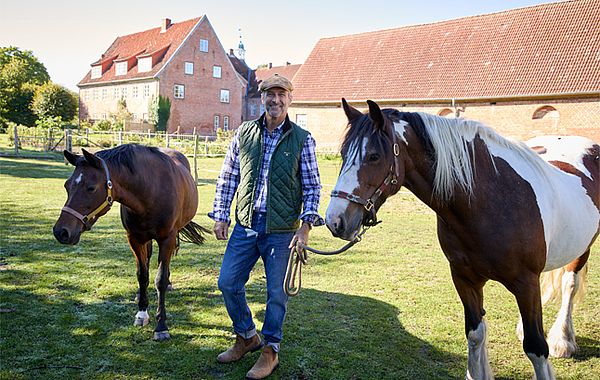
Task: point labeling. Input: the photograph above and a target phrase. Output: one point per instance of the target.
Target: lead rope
(297, 259)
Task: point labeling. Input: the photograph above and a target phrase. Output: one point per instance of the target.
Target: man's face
(276, 101)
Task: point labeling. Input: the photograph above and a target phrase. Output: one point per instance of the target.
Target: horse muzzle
(66, 234)
(344, 225)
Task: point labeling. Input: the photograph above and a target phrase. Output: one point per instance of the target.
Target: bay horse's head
(372, 170)
(89, 196)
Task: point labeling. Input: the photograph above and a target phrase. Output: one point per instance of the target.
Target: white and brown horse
(503, 212)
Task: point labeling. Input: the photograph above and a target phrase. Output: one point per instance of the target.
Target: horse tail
(551, 284)
(193, 233)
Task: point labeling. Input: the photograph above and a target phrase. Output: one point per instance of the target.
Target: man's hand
(221, 230)
(300, 237)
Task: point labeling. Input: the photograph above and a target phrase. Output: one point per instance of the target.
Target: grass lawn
(386, 309)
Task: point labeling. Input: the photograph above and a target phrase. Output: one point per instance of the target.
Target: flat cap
(276, 81)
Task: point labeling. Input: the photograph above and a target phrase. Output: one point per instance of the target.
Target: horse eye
(91, 189)
(374, 157)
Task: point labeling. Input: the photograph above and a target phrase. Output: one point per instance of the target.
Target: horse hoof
(141, 322)
(161, 336)
(169, 287)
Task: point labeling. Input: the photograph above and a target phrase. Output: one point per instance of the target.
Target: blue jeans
(244, 248)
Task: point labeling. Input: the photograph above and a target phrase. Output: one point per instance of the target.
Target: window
(95, 93)
(116, 93)
(123, 92)
(104, 94)
(216, 71)
(134, 92)
(146, 90)
(189, 68)
(145, 117)
(96, 72)
(204, 45)
(225, 123)
(224, 96)
(179, 91)
(301, 120)
(144, 65)
(253, 110)
(216, 122)
(121, 68)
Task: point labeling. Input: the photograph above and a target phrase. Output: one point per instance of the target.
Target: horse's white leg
(478, 363)
(561, 338)
(542, 367)
(520, 328)
(141, 318)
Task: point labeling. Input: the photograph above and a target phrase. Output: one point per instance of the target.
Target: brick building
(524, 72)
(183, 61)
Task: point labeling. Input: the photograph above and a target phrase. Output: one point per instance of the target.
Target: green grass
(386, 309)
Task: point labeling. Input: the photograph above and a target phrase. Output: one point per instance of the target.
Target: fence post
(120, 138)
(16, 140)
(206, 145)
(195, 157)
(167, 139)
(49, 140)
(68, 140)
(87, 137)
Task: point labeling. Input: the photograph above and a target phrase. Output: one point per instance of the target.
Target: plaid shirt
(229, 179)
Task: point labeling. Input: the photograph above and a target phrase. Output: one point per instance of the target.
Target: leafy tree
(160, 111)
(52, 100)
(20, 74)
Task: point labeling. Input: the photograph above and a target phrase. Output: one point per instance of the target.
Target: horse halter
(89, 219)
(369, 203)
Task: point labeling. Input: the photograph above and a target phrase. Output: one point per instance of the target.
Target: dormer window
(121, 68)
(144, 64)
(96, 72)
(204, 45)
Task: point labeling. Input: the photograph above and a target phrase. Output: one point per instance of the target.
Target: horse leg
(142, 252)
(527, 293)
(561, 338)
(165, 250)
(471, 295)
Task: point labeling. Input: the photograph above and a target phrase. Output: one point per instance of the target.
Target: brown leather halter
(369, 203)
(89, 219)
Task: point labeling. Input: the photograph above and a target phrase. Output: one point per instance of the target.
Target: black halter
(369, 203)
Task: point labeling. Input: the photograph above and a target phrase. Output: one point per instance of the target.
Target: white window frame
(144, 64)
(146, 90)
(216, 121)
(104, 94)
(96, 72)
(124, 92)
(302, 120)
(121, 68)
(179, 91)
(134, 91)
(203, 45)
(225, 123)
(217, 71)
(224, 96)
(188, 68)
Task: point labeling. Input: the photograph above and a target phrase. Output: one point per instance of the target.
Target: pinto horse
(503, 213)
(158, 198)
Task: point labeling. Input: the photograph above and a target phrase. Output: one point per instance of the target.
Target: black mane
(125, 155)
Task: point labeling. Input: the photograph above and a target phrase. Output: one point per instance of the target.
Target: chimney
(287, 63)
(231, 52)
(270, 65)
(165, 24)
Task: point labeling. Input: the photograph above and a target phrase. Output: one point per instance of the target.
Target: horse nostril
(61, 234)
(338, 225)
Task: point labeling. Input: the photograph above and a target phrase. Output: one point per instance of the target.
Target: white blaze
(79, 178)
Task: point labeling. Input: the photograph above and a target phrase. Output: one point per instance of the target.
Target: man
(271, 165)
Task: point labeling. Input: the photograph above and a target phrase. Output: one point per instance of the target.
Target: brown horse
(158, 198)
(503, 213)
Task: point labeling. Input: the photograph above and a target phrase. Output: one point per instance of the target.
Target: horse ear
(92, 159)
(351, 112)
(71, 158)
(375, 114)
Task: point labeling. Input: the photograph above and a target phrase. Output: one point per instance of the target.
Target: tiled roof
(245, 72)
(287, 71)
(546, 49)
(142, 44)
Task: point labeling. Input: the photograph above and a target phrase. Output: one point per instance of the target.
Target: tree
(20, 74)
(160, 111)
(52, 100)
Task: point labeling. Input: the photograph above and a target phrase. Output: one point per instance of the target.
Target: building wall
(202, 92)
(100, 101)
(511, 119)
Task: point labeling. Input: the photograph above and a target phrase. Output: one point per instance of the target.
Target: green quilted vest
(284, 189)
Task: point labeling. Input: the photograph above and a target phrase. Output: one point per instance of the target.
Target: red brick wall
(511, 119)
(202, 91)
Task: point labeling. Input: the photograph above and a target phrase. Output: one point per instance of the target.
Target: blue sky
(68, 35)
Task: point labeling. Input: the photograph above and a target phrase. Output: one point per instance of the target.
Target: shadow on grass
(22, 168)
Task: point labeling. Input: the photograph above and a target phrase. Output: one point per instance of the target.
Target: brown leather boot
(265, 365)
(240, 348)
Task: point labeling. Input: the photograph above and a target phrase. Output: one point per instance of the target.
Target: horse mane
(454, 152)
(363, 127)
(125, 155)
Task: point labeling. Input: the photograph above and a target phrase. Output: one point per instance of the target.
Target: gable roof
(246, 73)
(149, 43)
(288, 71)
(540, 50)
